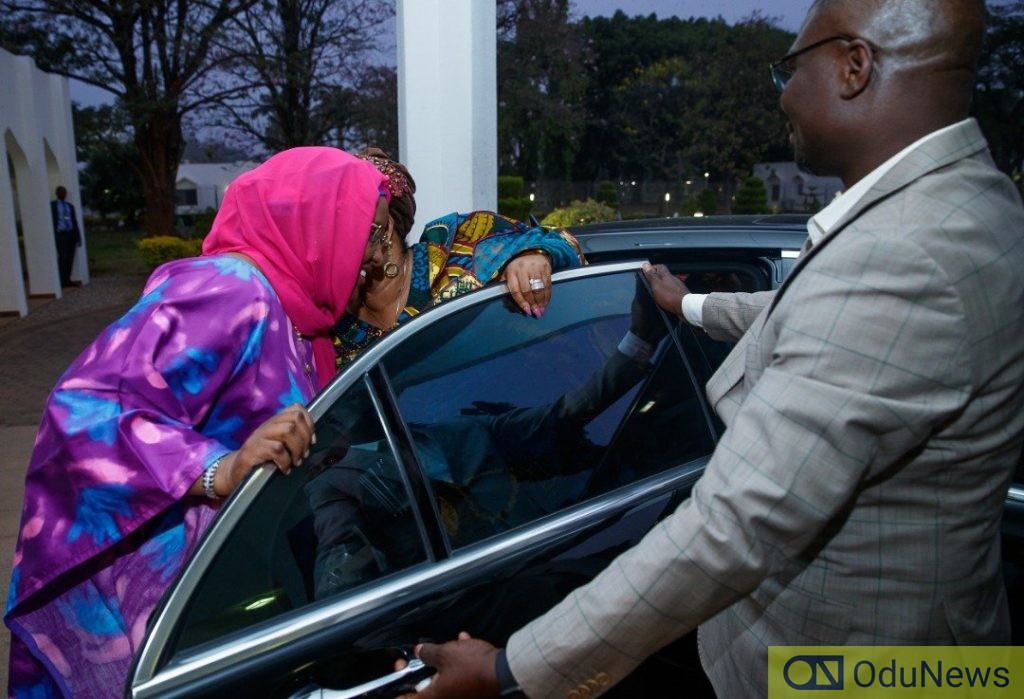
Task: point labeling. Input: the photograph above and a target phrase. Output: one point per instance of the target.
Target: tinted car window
(513, 417)
(341, 520)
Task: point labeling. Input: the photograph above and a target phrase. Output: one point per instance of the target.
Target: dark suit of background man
(65, 230)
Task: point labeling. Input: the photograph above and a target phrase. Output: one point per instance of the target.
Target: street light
(706, 176)
(668, 197)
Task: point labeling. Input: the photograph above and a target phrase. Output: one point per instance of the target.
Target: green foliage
(752, 197)
(115, 252)
(999, 94)
(707, 202)
(541, 89)
(164, 248)
(579, 212)
(510, 186)
(517, 208)
(202, 222)
(511, 201)
(676, 97)
(110, 181)
(607, 193)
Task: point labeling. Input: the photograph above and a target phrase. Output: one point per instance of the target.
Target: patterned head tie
(398, 183)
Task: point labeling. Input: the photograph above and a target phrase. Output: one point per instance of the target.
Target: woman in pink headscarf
(172, 406)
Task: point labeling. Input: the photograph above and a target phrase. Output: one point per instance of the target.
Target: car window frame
(153, 674)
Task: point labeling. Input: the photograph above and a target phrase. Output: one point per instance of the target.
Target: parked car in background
(470, 470)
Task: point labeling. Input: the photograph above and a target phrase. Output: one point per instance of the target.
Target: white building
(201, 186)
(790, 189)
(37, 153)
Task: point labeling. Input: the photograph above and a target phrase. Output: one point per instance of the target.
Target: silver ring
(537, 284)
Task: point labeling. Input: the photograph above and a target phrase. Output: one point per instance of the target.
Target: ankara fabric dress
(456, 254)
(128, 429)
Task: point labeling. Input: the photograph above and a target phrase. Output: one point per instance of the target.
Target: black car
(470, 469)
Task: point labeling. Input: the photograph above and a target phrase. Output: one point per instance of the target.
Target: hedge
(164, 248)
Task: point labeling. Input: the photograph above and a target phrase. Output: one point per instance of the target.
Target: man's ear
(858, 65)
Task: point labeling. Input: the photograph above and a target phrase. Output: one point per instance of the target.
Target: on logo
(814, 672)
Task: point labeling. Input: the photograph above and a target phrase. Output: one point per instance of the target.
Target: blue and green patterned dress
(456, 254)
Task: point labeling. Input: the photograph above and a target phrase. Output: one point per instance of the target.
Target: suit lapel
(937, 153)
(940, 152)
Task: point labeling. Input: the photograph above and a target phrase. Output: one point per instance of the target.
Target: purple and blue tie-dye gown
(205, 356)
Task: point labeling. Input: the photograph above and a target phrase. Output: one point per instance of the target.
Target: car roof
(776, 232)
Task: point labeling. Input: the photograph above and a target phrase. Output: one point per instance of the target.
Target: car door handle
(407, 677)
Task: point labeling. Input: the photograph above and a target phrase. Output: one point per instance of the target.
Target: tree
(707, 202)
(620, 49)
(372, 111)
(752, 198)
(540, 89)
(652, 128)
(734, 120)
(110, 181)
(153, 55)
(673, 97)
(999, 94)
(293, 69)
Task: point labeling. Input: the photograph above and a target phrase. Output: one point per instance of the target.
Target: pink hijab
(304, 217)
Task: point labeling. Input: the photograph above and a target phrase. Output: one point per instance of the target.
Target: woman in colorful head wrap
(174, 404)
(456, 254)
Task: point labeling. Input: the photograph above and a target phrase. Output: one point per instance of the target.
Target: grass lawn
(114, 252)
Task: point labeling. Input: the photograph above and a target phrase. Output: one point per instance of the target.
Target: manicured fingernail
(299, 462)
(314, 438)
(541, 311)
(306, 455)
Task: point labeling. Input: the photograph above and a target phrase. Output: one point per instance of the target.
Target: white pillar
(448, 104)
(62, 135)
(37, 225)
(35, 115)
(12, 286)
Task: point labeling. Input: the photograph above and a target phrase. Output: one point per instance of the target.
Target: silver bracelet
(209, 475)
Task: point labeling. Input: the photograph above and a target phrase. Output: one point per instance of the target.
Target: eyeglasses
(782, 70)
(379, 233)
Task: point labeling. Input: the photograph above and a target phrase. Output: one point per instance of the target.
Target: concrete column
(448, 104)
(37, 225)
(12, 286)
(62, 129)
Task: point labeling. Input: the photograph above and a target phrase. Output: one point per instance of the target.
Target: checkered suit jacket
(874, 418)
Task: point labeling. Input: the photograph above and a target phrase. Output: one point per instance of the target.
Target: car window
(339, 521)
(513, 417)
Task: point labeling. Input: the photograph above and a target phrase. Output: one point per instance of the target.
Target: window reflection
(530, 416)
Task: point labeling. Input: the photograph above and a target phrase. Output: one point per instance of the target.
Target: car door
(469, 471)
(1013, 553)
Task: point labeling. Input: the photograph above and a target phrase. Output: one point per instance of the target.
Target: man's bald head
(940, 38)
(905, 68)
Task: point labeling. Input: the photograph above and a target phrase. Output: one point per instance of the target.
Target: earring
(390, 267)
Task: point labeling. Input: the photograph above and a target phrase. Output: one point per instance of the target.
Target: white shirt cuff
(636, 349)
(693, 309)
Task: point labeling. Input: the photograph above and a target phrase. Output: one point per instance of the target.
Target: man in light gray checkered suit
(874, 404)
